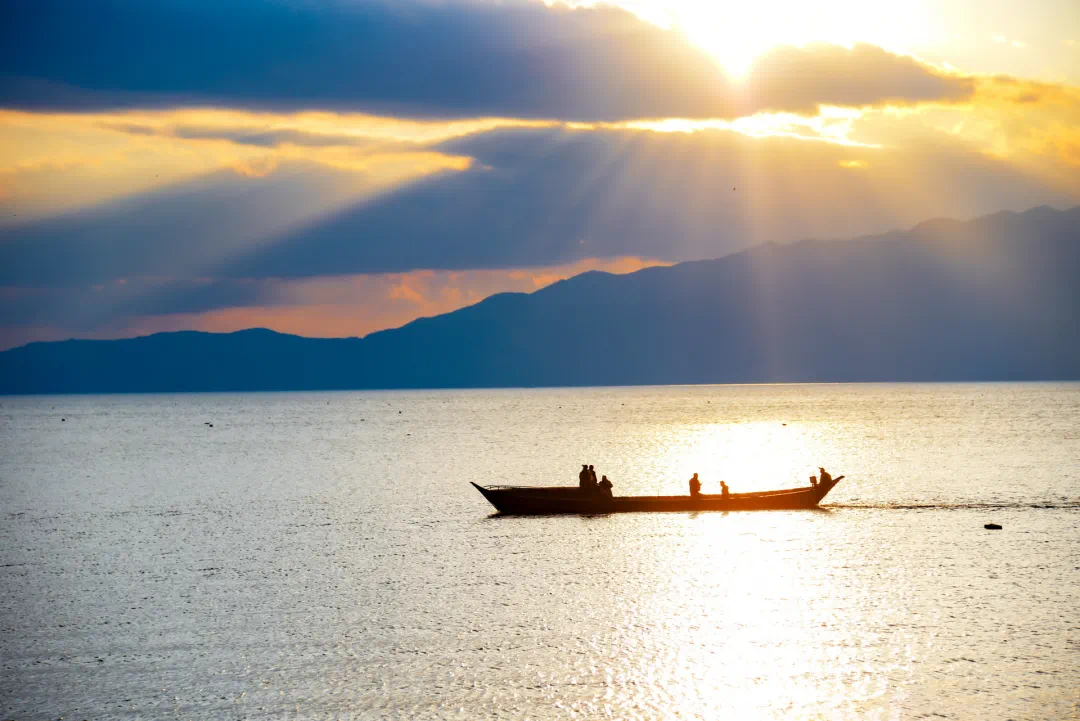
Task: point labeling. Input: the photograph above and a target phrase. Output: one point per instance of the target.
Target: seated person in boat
(695, 487)
(583, 477)
(813, 481)
(604, 488)
(825, 476)
(723, 490)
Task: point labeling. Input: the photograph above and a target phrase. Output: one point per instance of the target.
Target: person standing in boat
(824, 476)
(592, 478)
(723, 490)
(583, 477)
(695, 487)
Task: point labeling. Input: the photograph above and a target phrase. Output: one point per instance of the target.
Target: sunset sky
(334, 167)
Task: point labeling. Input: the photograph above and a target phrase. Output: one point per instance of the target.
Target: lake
(323, 555)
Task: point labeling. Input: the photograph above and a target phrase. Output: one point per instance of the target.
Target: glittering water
(323, 556)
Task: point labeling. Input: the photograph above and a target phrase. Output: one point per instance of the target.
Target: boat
(543, 500)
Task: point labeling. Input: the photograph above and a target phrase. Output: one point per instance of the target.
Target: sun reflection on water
(740, 620)
(751, 456)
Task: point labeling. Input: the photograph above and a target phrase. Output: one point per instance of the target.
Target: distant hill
(997, 298)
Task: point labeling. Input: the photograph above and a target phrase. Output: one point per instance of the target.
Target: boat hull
(521, 500)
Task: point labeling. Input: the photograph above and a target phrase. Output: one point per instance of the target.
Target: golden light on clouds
(55, 162)
(1003, 38)
(256, 167)
(332, 128)
(735, 34)
(1030, 125)
(830, 125)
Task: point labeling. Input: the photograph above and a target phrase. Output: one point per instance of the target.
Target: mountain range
(995, 298)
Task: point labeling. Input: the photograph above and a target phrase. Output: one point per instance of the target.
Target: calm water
(323, 556)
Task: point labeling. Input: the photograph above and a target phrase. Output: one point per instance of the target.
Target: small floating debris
(992, 527)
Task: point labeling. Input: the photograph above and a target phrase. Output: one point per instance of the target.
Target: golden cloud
(52, 163)
(256, 167)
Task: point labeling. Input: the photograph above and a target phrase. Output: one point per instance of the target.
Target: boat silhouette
(540, 500)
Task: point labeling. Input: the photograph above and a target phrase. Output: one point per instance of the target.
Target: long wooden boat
(538, 500)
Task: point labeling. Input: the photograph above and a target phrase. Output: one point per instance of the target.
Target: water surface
(323, 556)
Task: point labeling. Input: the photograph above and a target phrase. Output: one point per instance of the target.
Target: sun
(736, 33)
(729, 33)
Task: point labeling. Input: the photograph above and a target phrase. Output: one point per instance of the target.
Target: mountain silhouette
(995, 298)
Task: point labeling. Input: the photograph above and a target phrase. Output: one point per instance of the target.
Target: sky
(336, 167)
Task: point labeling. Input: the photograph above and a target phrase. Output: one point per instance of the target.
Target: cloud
(1018, 44)
(421, 59)
(1032, 125)
(175, 230)
(803, 79)
(264, 137)
(88, 308)
(56, 163)
(330, 307)
(532, 197)
(256, 167)
(547, 196)
(408, 57)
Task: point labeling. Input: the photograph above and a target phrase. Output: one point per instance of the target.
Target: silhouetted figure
(695, 487)
(824, 475)
(723, 490)
(813, 481)
(604, 488)
(583, 477)
(592, 478)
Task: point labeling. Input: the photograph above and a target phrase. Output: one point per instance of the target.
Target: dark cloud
(261, 138)
(180, 231)
(544, 196)
(406, 57)
(277, 138)
(802, 79)
(534, 197)
(416, 58)
(90, 308)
